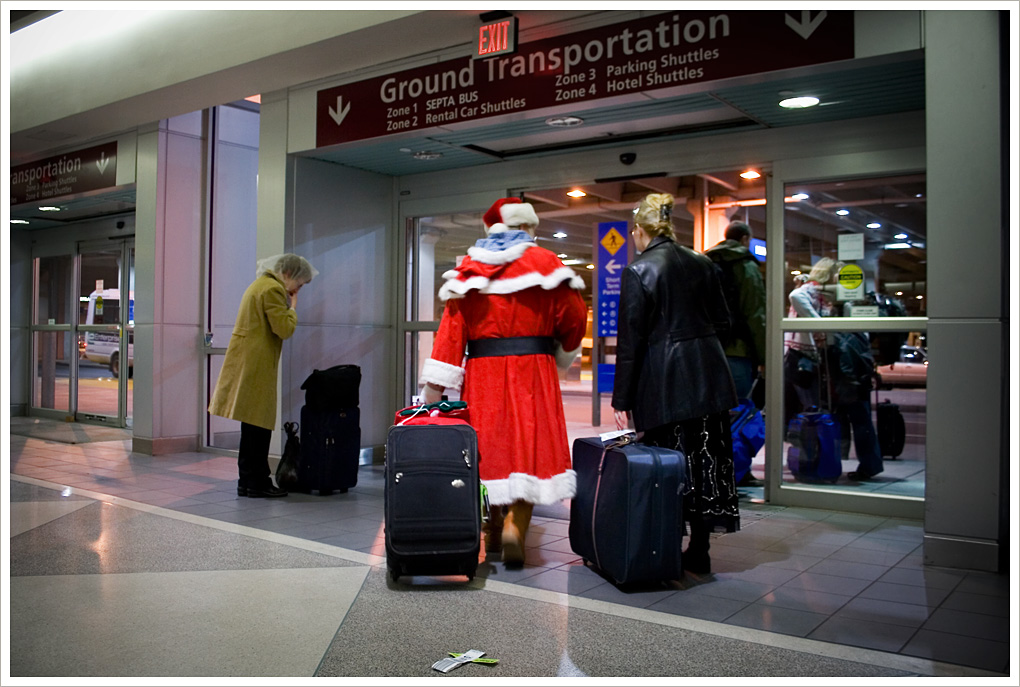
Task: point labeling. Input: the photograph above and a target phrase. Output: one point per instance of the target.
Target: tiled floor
(847, 580)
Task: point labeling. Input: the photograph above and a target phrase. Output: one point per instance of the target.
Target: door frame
(891, 162)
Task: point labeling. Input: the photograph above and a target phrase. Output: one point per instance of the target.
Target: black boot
(695, 559)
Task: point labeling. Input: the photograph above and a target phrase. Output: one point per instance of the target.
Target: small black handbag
(287, 469)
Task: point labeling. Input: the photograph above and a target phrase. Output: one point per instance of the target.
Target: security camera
(628, 158)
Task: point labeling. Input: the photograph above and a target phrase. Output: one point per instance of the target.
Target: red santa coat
(514, 401)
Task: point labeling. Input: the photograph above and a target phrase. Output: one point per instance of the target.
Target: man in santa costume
(518, 313)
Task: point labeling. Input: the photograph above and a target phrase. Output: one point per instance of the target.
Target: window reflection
(875, 230)
(852, 422)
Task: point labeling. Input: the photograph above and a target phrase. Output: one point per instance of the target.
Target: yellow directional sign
(612, 241)
(851, 276)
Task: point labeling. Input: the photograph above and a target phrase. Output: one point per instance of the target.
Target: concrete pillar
(967, 397)
(169, 216)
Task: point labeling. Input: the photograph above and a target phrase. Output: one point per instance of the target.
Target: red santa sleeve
(571, 323)
(445, 367)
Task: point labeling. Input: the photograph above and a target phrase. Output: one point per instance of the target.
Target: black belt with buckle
(513, 345)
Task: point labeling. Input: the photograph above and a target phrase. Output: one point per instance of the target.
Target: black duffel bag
(333, 388)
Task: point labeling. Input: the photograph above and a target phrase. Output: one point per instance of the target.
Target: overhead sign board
(658, 52)
(90, 169)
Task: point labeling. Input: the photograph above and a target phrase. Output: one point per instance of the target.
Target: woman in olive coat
(672, 378)
(246, 389)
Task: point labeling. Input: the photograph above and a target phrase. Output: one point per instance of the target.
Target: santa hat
(509, 213)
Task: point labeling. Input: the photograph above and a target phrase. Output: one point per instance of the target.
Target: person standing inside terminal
(672, 379)
(246, 389)
(519, 313)
(744, 290)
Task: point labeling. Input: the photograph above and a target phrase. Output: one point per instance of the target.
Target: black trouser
(253, 457)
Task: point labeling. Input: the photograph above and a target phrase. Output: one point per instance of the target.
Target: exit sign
(497, 38)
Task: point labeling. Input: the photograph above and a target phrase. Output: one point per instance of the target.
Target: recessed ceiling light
(749, 174)
(49, 208)
(561, 255)
(800, 196)
(919, 297)
(799, 102)
(899, 293)
(590, 266)
(576, 193)
(559, 235)
(795, 272)
(842, 213)
(564, 121)
(900, 236)
(19, 221)
(427, 155)
(894, 246)
(874, 225)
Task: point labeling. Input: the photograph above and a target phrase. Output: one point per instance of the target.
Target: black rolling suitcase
(891, 429)
(433, 506)
(330, 449)
(627, 516)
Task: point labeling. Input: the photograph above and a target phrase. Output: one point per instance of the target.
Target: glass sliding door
(55, 347)
(854, 347)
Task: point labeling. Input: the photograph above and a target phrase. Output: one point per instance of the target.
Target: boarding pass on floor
(445, 665)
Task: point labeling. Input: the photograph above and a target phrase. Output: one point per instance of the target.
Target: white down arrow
(340, 112)
(806, 26)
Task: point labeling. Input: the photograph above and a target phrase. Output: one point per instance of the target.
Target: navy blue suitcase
(627, 516)
(330, 449)
(432, 500)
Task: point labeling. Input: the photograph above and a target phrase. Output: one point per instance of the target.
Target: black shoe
(858, 476)
(750, 480)
(269, 492)
(696, 562)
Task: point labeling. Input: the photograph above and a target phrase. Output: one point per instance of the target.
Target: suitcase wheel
(325, 492)
(394, 574)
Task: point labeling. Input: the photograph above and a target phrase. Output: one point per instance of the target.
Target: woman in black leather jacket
(672, 379)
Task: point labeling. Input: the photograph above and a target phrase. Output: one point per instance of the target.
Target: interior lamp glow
(799, 102)
(576, 193)
(900, 236)
(842, 213)
(749, 174)
(800, 196)
(560, 235)
(874, 225)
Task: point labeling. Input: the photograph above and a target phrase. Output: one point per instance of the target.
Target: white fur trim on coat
(532, 489)
(564, 359)
(499, 257)
(441, 374)
(456, 288)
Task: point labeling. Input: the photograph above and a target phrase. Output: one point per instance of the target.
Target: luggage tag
(445, 665)
(485, 502)
(618, 437)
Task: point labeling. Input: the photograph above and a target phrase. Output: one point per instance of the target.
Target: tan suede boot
(492, 530)
(515, 530)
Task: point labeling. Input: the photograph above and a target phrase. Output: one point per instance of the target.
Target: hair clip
(664, 212)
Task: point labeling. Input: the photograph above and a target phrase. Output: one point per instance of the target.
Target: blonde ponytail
(654, 214)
